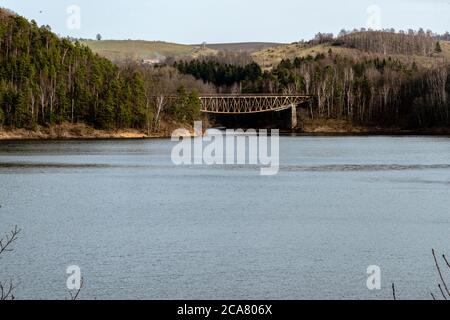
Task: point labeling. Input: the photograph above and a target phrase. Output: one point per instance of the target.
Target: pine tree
(2, 118)
(47, 80)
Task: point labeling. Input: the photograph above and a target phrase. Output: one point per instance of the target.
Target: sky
(218, 21)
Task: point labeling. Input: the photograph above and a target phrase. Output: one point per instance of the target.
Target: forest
(46, 80)
(377, 89)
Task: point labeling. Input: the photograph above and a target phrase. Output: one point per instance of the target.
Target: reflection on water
(140, 227)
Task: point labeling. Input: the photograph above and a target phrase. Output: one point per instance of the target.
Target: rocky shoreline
(311, 128)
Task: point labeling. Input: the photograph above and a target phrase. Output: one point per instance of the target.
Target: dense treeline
(379, 91)
(370, 91)
(386, 41)
(161, 84)
(46, 80)
(445, 36)
(390, 43)
(225, 76)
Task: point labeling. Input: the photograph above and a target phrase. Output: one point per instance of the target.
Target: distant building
(152, 61)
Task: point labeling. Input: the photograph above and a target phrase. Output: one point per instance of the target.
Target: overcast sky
(196, 21)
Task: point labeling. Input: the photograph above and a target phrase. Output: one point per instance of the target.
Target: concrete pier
(294, 120)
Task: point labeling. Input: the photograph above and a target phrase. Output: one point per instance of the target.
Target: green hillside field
(120, 50)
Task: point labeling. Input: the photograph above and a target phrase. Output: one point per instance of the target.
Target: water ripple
(363, 167)
(30, 165)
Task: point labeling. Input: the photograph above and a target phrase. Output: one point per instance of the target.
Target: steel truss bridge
(252, 103)
(236, 104)
(246, 104)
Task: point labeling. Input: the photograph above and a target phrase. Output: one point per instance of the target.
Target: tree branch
(77, 293)
(446, 261)
(442, 291)
(6, 242)
(393, 291)
(6, 293)
(440, 275)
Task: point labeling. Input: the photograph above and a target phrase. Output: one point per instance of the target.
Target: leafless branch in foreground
(74, 297)
(446, 261)
(442, 291)
(393, 291)
(6, 242)
(6, 292)
(438, 268)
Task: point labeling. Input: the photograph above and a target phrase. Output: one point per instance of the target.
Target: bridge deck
(249, 103)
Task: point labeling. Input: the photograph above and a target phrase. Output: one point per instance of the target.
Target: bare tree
(160, 83)
(442, 285)
(7, 290)
(393, 291)
(443, 288)
(7, 241)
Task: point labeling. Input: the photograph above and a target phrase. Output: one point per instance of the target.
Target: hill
(369, 45)
(446, 49)
(247, 47)
(120, 50)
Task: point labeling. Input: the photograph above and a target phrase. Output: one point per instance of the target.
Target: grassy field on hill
(119, 50)
(266, 54)
(248, 47)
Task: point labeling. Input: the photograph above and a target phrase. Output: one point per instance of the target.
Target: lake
(140, 227)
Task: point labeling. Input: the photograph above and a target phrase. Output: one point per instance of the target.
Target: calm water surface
(140, 227)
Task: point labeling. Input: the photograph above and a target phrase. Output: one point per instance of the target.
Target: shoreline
(83, 132)
(111, 137)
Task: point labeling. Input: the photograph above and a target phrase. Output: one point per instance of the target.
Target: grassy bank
(83, 131)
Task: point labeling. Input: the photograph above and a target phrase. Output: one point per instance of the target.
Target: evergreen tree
(2, 117)
(187, 107)
(46, 80)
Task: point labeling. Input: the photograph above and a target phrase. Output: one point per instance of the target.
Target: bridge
(241, 104)
(235, 104)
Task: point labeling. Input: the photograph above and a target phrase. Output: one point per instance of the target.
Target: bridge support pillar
(294, 120)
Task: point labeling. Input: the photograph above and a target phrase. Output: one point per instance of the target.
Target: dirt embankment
(316, 126)
(342, 127)
(83, 131)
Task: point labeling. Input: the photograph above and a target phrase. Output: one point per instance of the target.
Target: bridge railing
(246, 103)
(249, 103)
